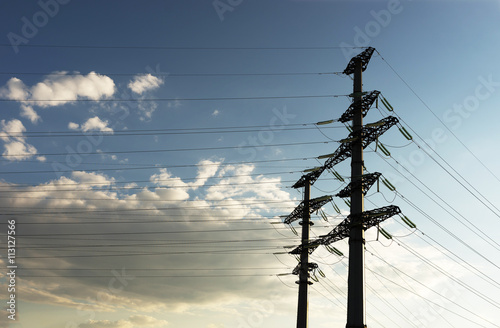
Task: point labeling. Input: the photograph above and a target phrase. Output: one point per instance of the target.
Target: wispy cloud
(144, 82)
(92, 124)
(131, 322)
(16, 147)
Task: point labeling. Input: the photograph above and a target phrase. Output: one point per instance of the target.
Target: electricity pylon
(359, 220)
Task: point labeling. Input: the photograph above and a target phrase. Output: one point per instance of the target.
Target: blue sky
(114, 150)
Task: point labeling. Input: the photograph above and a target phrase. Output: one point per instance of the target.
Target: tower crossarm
(364, 57)
(342, 153)
(376, 216)
(365, 103)
(314, 205)
(369, 133)
(311, 247)
(310, 267)
(369, 219)
(340, 232)
(365, 183)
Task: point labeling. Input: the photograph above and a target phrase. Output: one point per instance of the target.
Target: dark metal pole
(302, 320)
(356, 280)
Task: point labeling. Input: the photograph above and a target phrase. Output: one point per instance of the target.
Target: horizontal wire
(180, 200)
(157, 47)
(150, 232)
(153, 269)
(193, 207)
(161, 242)
(203, 128)
(128, 254)
(173, 74)
(28, 101)
(159, 276)
(125, 133)
(173, 150)
(183, 165)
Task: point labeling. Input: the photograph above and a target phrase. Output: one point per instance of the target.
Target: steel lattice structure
(366, 182)
(314, 205)
(368, 133)
(366, 103)
(368, 219)
(310, 267)
(364, 57)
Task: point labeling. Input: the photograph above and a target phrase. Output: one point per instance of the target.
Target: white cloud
(16, 147)
(144, 82)
(73, 126)
(146, 321)
(206, 170)
(174, 104)
(140, 85)
(56, 90)
(132, 321)
(106, 324)
(62, 89)
(215, 112)
(146, 110)
(96, 124)
(15, 89)
(99, 197)
(91, 178)
(92, 124)
(223, 193)
(29, 113)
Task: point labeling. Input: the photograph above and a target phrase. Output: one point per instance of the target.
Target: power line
(451, 175)
(129, 254)
(162, 243)
(159, 47)
(175, 149)
(174, 74)
(220, 163)
(154, 269)
(461, 261)
(490, 241)
(146, 232)
(168, 99)
(193, 207)
(434, 303)
(108, 186)
(126, 133)
(437, 117)
(158, 276)
(157, 166)
(445, 273)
